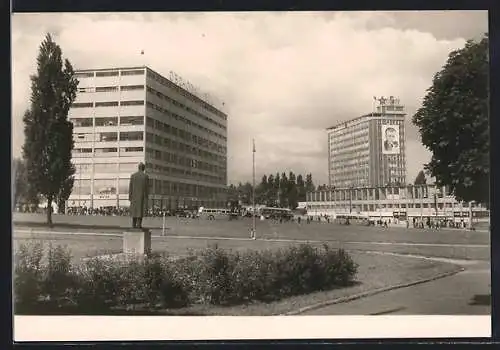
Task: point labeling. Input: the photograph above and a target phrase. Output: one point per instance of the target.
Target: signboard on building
(401, 215)
(390, 139)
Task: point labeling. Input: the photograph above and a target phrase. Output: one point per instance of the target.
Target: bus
(353, 219)
(213, 214)
(276, 213)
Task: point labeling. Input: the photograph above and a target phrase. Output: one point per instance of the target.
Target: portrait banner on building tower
(390, 139)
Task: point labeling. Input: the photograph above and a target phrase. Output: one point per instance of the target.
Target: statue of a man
(138, 195)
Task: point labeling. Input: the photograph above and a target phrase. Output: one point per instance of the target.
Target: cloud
(284, 77)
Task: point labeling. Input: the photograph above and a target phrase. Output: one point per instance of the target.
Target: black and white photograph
(192, 165)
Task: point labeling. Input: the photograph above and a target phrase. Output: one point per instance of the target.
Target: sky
(284, 77)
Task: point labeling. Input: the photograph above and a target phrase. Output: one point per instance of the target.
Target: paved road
(451, 295)
(265, 229)
(466, 293)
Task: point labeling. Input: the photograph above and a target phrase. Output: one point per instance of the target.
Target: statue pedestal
(137, 241)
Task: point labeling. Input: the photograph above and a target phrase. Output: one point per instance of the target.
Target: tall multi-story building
(124, 116)
(369, 150)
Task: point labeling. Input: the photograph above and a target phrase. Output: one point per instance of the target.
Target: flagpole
(253, 190)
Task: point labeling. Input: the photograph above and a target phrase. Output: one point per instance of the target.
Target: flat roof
(152, 70)
(376, 114)
(108, 69)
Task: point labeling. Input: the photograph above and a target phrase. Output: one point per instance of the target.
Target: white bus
(213, 214)
(353, 219)
(276, 213)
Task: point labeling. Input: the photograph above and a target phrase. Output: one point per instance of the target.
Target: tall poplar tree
(48, 133)
(301, 190)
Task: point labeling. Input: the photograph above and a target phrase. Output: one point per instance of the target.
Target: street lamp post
(253, 191)
(350, 199)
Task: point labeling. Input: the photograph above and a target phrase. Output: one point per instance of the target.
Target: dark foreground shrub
(212, 276)
(28, 276)
(145, 283)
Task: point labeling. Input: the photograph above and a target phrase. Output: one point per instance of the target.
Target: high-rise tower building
(124, 116)
(369, 150)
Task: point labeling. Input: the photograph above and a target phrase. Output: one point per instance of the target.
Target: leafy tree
(453, 123)
(292, 191)
(277, 190)
(23, 191)
(420, 179)
(309, 185)
(284, 191)
(48, 133)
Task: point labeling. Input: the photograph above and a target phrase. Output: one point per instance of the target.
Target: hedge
(46, 282)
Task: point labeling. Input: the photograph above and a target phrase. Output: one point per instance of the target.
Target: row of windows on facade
(348, 137)
(109, 136)
(159, 127)
(374, 207)
(351, 170)
(87, 152)
(122, 167)
(362, 158)
(167, 83)
(174, 116)
(107, 121)
(420, 191)
(110, 88)
(161, 187)
(354, 158)
(348, 175)
(355, 147)
(351, 150)
(128, 168)
(107, 104)
(183, 106)
(360, 129)
(356, 124)
(185, 173)
(349, 146)
(173, 158)
(181, 147)
(141, 87)
(390, 108)
(347, 132)
(349, 142)
(346, 182)
(156, 139)
(347, 166)
(113, 121)
(108, 73)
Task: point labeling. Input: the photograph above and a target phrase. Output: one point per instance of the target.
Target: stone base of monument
(137, 241)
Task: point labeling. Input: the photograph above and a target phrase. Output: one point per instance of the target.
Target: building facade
(413, 201)
(369, 150)
(124, 116)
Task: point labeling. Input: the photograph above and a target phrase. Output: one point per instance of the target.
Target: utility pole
(470, 216)
(436, 207)
(253, 236)
(350, 199)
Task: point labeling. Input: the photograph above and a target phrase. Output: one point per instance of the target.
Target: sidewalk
(114, 223)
